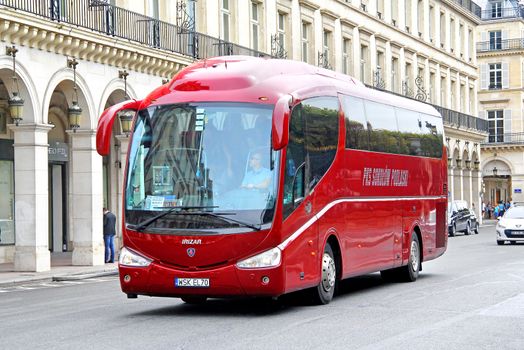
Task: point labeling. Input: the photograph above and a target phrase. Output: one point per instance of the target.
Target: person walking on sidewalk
(109, 235)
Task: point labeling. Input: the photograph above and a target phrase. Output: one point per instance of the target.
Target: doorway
(57, 208)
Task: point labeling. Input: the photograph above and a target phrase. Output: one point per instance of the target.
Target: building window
(394, 12)
(495, 40)
(282, 30)
(420, 17)
(254, 25)
(380, 9)
(432, 24)
(394, 74)
(407, 14)
(495, 76)
(305, 41)
(226, 14)
(442, 30)
(153, 6)
(326, 37)
(496, 9)
(496, 126)
(346, 56)
(364, 52)
(452, 33)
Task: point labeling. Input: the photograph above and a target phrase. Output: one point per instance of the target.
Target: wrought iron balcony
(502, 13)
(501, 45)
(461, 120)
(504, 139)
(450, 118)
(470, 6)
(101, 17)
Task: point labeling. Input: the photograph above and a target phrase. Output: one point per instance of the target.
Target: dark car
(461, 218)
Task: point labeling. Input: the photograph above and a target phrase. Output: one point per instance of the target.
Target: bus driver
(257, 177)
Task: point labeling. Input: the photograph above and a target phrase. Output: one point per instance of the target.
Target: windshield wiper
(181, 208)
(221, 216)
(185, 210)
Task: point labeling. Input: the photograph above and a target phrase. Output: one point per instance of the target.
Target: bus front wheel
(324, 292)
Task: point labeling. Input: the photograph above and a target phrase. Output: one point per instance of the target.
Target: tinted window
(410, 132)
(356, 126)
(321, 136)
(313, 139)
(382, 126)
(432, 140)
(295, 161)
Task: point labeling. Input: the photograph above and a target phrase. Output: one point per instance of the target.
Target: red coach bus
(252, 176)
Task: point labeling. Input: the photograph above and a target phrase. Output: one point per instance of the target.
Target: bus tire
(325, 290)
(194, 299)
(409, 273)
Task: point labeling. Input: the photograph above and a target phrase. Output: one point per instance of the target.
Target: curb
(83, 276)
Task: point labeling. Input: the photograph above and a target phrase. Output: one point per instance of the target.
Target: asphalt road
(470, 298)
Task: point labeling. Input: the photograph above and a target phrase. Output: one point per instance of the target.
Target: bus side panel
(301, 258)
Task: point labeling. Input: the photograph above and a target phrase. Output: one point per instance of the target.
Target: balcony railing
(471, 6)
(450, 118)
(101, 17)
(501, 45)
(461, 120)
(502, 13)
(508, 138)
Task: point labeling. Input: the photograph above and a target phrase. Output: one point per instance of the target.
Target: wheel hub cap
(414, 256)
(329, 272)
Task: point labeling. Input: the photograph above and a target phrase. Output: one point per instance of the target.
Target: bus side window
(357, 136)
(432, 140)
(294, 188)
(321, 114)
(382, 126)
(410, 132)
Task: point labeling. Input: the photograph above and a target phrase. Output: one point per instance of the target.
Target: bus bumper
(226, 281)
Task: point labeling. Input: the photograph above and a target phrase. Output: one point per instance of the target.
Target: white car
(510, 227)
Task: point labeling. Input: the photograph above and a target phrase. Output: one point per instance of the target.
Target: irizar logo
(191, 241)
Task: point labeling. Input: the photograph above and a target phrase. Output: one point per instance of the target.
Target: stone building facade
(56, 181)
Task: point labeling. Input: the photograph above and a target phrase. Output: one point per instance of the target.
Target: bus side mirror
(105, 124)
(280, 127)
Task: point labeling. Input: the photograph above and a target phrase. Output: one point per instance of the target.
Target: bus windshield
(201, 166)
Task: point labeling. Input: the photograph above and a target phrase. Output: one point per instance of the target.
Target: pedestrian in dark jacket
(109, 235)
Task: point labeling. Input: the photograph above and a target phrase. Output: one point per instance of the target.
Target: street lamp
(74, 112)
(16, 103)
(126, 115)
(476, 165)
(495, 171)
(468, 164)
(126, 119)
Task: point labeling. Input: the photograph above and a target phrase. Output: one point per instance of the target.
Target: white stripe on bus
(321, 213)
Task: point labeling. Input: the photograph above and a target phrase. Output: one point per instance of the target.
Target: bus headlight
(269, 258)
(130, 258)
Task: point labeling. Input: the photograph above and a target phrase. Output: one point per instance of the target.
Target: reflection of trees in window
(383, 128)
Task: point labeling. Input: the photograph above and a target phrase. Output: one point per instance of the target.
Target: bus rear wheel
(325, 290)
(408, 273)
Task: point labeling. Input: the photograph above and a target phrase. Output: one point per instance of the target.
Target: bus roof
(265, 80)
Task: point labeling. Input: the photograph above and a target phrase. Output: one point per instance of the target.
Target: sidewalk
(61, 270)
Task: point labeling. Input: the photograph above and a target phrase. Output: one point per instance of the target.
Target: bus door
(313, 139)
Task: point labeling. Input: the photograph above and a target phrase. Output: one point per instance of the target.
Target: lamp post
(16, 103)
(495, 171)
(74, 112)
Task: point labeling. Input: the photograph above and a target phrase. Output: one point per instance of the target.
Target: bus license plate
(192, 282)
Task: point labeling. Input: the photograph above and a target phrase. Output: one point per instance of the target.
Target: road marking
(44, 285)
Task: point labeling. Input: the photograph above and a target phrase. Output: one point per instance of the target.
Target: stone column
(87, 199)
(31, 197)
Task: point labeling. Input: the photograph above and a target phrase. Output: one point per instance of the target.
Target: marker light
(130, 258)
(269, 258)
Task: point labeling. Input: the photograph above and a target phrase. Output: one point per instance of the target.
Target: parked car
(510, 227)
(461, 218)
